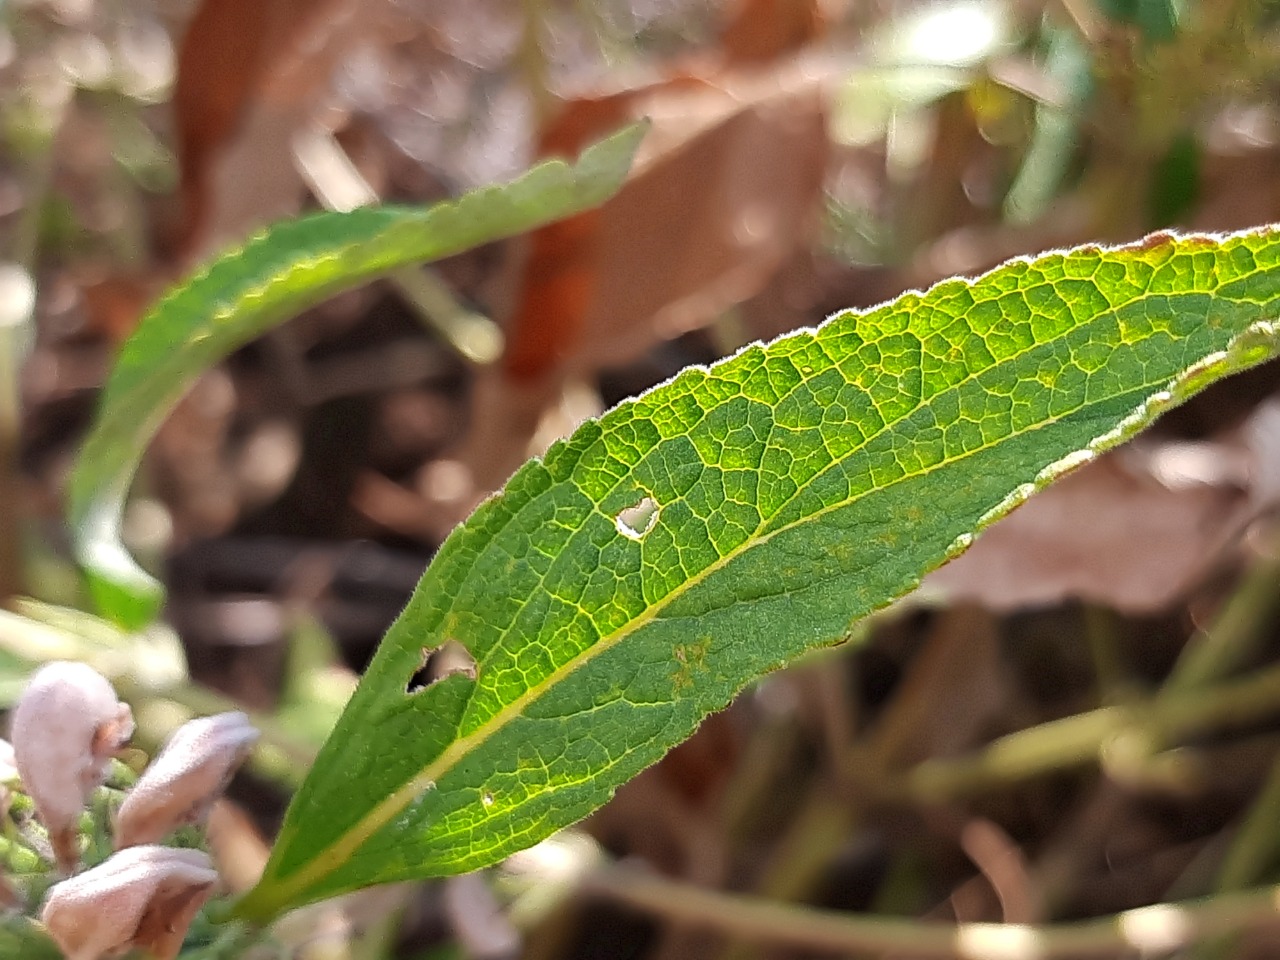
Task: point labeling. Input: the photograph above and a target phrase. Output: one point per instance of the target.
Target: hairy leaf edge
(1257, 343)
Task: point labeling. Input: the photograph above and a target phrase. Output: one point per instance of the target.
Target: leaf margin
(1256, 343)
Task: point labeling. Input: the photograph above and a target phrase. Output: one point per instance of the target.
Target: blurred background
(1078, 717)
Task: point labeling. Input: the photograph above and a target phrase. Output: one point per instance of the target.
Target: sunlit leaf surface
(695, 538)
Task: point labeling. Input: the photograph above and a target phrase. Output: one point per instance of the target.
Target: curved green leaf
(244, 292)
(704, 534)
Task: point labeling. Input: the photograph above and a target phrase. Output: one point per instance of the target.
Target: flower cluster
(66, 730)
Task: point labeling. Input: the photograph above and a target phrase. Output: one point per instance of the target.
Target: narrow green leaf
(693, 539)
(243, 293)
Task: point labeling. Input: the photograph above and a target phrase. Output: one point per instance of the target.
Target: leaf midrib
(886, 426)
(341, 851)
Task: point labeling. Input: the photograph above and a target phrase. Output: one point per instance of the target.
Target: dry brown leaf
(1134, 530)
(724, 189)
(706, 228)
(249, 73)
(559, 267)
(761, 30)
(113, 304)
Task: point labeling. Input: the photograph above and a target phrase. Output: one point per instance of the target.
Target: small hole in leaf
(443, 661)
(637, 520)
(487, 799)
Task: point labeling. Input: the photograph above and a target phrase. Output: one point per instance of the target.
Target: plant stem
(1101, 635)
(1160, 722)
(1255, 842)
(532, 60)
(338, 184)
(1236, 631)
(1157, 929)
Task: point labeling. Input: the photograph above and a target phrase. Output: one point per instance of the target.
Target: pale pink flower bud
(143, 898)
(66, 727)
(182, 783)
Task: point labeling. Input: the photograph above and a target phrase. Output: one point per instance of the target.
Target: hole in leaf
(487, 799)
(637, 520)
(443, 661)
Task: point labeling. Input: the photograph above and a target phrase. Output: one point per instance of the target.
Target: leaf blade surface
(707, 532)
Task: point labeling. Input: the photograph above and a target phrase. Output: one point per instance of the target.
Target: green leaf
(1157, 20)
(22, 937)
(243, 293)
(695, 538)
(1175, 182)
(1055, 136)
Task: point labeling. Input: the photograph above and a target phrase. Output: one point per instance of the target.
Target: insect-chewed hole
(635, 521)
(439, 662)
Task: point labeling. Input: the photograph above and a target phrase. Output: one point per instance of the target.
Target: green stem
(532, 58)
(1160, 722)
(1101, 635)
(1256, 841)
(1236, 632)
(1157, 929)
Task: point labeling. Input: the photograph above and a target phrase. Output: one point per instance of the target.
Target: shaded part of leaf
(1056, 136)
(24, 937)
(1175, 183)
(1157, 20)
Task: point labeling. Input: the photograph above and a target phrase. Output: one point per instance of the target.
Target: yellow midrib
(341, 851)
(394, 803)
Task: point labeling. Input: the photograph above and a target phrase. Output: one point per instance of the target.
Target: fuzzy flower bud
(66, 727)
(143, 898)
(182, 783)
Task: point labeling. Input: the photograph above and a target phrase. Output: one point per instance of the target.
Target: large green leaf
(274, 275)
(707, 532)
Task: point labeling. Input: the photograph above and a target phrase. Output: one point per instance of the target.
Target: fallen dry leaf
(759, 31)
(249, 74)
